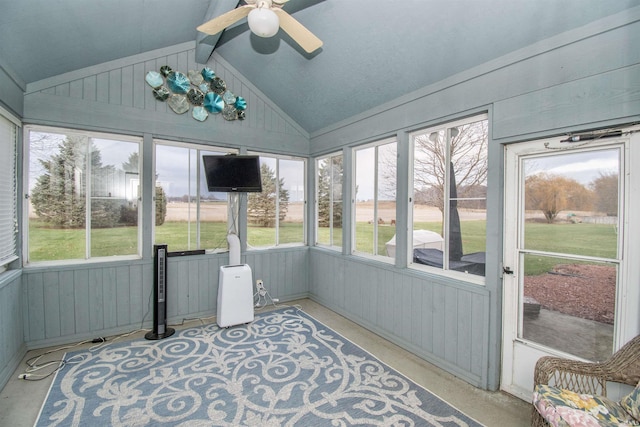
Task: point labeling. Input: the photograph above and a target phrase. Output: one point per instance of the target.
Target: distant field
(217, 211)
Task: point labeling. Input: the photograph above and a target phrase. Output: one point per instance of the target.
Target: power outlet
(260, 287)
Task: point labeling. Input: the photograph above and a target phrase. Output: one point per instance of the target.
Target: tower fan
(160, 328)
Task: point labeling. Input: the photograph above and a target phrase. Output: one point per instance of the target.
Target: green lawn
(58, 244)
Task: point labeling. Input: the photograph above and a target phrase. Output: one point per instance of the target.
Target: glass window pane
(365, 201)
(580, 189)
(115, 188)
(375, 206)
(194, 218)
(450, 188)
(276, 215)
(291, 230)
(386, 196)
(57, 202)
(262, 207)
(428, 198)
(323, 200)
(569, 305)
(336, 198)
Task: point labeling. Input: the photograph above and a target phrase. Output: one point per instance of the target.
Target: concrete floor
(20, 400)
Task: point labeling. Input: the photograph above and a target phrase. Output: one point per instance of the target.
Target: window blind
(8, 197)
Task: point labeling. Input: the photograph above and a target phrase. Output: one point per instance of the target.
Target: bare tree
(467, 154)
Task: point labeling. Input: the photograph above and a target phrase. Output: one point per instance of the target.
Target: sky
(584, 167)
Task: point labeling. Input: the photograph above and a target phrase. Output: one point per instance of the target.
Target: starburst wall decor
(207, 93)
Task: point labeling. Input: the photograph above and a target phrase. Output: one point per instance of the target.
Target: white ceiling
(374, 51)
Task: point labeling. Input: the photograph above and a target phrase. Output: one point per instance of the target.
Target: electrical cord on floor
(33, 366)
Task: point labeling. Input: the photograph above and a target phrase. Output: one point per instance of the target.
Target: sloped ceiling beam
(205, 44)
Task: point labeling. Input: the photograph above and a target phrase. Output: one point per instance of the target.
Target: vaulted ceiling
(374, 51)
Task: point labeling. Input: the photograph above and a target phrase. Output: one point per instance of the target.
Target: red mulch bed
(586, 291)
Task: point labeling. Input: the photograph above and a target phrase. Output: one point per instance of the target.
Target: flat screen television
(232, 173)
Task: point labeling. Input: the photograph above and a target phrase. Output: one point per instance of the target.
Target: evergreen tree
(261, 207)
(129, 214)
(58, 196)
(330, 191)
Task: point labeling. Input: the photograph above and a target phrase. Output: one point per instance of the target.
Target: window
(276, 216)
(375, 199)
(187, 216)
(329, 200)
(449, 196)
(83, 195)
(8, 211)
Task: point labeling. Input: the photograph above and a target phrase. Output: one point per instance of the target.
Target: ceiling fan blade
(223, 21)
(305, 38)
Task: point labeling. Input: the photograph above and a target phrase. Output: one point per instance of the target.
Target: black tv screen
(232, 173)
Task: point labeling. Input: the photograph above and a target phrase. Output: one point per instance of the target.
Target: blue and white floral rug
(284, 369)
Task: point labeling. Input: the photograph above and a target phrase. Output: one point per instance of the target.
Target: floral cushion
(564, 408)
(631, 403)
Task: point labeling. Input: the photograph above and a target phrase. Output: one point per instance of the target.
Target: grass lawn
(58, 244)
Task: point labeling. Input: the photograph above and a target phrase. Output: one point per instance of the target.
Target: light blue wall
(12, 344)
(11, 91)
(581, 80)
(574, 81)
(66, 303)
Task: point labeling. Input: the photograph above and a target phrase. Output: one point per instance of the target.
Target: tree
(261, 207)
(330, 192)
(554, 193)
(129, 214)
(605, 190)
(467, 154)
(58, 196)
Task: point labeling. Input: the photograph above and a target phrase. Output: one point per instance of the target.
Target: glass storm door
(564, 264)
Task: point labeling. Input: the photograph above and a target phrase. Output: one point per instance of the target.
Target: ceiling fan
(264, 18)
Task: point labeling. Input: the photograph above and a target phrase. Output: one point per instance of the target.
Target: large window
(375, 199)
(448, 229)
(329, 201)
(83, 194)
(187, 215)
(8, 211)
(276, 216)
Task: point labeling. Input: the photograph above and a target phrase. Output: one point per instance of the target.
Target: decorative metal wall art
(207, 93)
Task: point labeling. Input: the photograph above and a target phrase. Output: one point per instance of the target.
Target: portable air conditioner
(160, 329)
(235, 295)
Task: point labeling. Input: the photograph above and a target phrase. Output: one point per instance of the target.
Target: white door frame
(518, 355)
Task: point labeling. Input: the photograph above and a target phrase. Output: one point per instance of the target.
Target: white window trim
(440, 272)
(354, 251)
(25, 207)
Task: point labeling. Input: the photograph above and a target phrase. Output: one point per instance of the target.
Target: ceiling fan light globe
(263, 22)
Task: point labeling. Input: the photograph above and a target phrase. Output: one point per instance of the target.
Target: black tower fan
(160, 328)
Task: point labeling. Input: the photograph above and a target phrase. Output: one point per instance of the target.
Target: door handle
(507, 270)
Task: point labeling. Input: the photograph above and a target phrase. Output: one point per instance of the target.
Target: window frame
(441, 271)
(277, 158)
(331, 244)
(88, 259)
(232, 199)
(376, 145)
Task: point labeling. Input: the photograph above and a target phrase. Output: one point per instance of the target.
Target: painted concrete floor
(20, 400)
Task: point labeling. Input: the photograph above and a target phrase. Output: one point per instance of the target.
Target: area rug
(284, 369)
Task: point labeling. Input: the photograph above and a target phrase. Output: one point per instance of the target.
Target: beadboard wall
(12, 343)
(440, 320)
(63, 304)
(114, 97)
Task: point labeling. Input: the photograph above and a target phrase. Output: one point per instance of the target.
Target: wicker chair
(588, 378)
